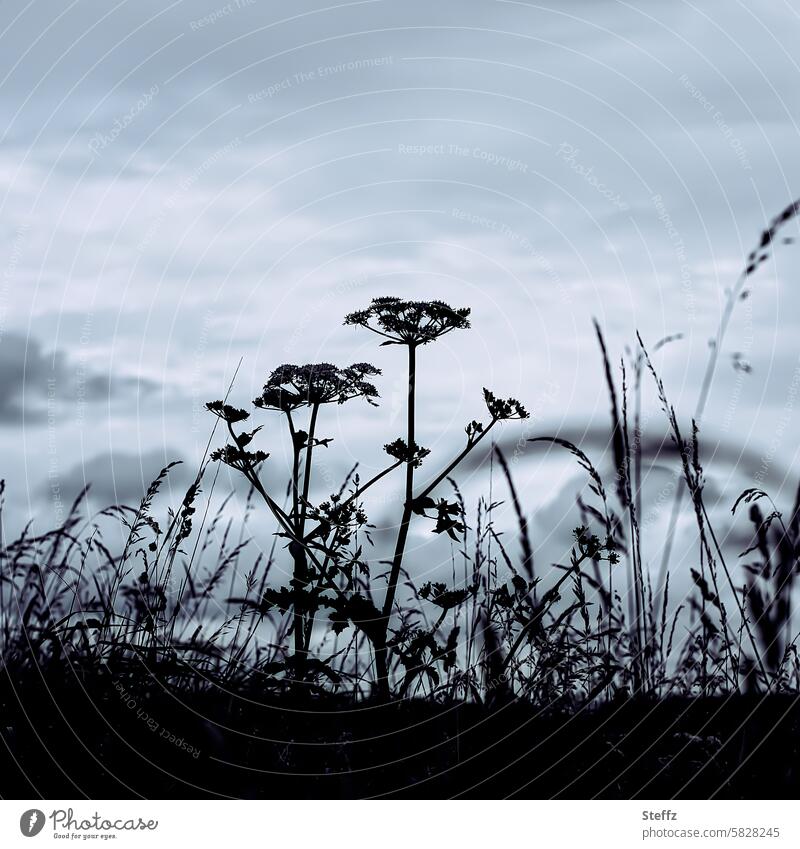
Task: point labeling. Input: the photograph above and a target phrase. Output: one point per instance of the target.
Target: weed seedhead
(400, 451)
(404, 322)
(290, 387)
(503, 409)
(226, 412)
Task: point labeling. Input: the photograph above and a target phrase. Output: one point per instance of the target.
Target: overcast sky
(186, 184)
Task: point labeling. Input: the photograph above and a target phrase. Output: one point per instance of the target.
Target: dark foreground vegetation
(168, 661)
(74, 742)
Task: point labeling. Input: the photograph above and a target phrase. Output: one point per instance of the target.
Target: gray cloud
(120, 477)
(35, 384)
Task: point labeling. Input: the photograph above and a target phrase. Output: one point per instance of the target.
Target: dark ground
(100, 741)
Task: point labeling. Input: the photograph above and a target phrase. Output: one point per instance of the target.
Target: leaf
(420, 505)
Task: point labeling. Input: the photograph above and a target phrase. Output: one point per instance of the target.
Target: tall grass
(190, 601)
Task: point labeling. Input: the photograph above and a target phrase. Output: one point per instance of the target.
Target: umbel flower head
(410, 322)
(502, 409)
(226, 412)
(290, 386)
(400, 451)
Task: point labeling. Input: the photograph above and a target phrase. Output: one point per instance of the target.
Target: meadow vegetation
(179, 646)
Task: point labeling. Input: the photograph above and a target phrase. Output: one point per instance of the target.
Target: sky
(196, 190)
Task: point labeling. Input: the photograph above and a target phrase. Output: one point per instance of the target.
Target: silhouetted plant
(328, 568)
(414, 324)
(321, 556)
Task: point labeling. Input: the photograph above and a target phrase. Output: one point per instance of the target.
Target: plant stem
(299, 568)
(295, 471)
(470, 445)
(539, 613)
(739, 604)
(312, 427)
(381, 660)
(356, 494)
(308, 626)
(705, 389)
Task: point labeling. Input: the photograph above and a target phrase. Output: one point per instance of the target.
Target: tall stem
(312, 427)
(301, 523)
(381, 659)
(356, 493)
(469, 446)
(298, 554)
(295, 471)
(705, 390)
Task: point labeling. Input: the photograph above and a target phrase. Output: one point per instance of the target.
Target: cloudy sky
(187, 184)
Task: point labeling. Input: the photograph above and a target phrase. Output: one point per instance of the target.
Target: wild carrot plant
(328, 563)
